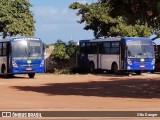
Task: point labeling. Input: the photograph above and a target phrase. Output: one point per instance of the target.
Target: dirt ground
(101, 92)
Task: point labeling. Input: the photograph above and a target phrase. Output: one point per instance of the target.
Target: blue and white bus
(134, 54)
(21, 55)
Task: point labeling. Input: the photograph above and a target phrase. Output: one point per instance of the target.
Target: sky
(54, 20)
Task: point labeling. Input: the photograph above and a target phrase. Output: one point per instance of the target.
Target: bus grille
(31, 65)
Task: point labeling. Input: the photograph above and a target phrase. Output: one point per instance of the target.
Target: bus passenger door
(98, 56)
(123, 56)
(106, 57)
(8, 52)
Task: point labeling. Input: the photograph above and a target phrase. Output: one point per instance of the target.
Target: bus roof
(136, 38)
(106, 39)
(114, 39)
(83, 41)
(20, 38)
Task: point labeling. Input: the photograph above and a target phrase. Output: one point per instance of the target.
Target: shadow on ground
(131, 88)
(13, 77)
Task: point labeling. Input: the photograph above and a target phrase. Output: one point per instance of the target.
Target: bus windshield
(140, 49)
(27, 49)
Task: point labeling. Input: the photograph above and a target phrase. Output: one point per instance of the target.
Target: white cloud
(55, 15)
(54, 19)
(55, 23)
(49, 27)
(82, 1)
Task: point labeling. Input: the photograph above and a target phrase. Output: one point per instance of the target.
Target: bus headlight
(129, 62)
(153, 67)
(128, 68)
(14, 63)
(153, 62)
(42, 63)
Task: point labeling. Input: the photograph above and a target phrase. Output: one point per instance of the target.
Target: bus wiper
(145, 52)
(140, 53)
(27, 53)
(24, 55)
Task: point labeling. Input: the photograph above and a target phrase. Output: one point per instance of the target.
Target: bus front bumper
(27, 70)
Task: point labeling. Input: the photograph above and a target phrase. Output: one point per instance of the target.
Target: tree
(16, 18)
(59, 52)
(63, 51)
(120, 17)
(63, 56)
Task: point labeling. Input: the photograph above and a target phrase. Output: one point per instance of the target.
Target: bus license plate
(142, 66)
(29, 69)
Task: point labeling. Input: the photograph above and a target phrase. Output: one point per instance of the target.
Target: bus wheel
(114, 68)
(91, 67)
(31, 75)
(138, 72)
(11, 75)
(152, 71)
(4, 71)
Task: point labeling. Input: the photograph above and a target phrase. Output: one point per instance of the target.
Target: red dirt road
(81, 92)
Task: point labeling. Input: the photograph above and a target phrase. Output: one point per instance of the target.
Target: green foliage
(122, 29)
(61, 71)
(16, 18)
(96, 17)
(120, 17)
(63, 51)
(63, 56)
(59, 52)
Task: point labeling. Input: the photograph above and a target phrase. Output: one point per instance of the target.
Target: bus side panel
(107, 60)
(93, 58)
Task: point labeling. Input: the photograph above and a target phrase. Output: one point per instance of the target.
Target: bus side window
(100, 48)
(106, 48)
(82, 48)
(88, 48)
(8, 48)
(115, 48)
(0, 49)
(94, 48)
(4, 49)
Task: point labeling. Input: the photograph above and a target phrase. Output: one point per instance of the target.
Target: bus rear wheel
(31, 75)
(114, 68)
(4, 71)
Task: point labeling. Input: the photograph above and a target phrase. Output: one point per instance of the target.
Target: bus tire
(11, 75)
(152, 71)
(4, 70)
(31, 75)
(91, 67)
(139, 72)
(114, 68)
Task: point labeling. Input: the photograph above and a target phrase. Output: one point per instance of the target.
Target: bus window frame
(1, 49)
(110, 48)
